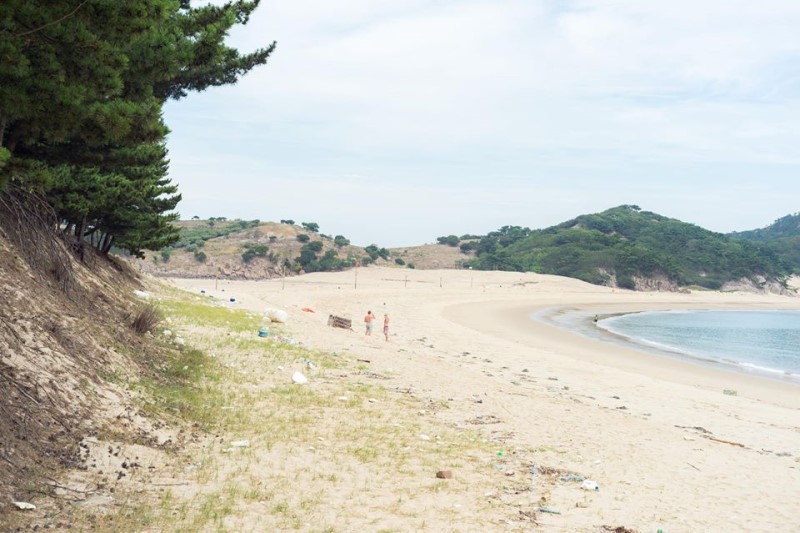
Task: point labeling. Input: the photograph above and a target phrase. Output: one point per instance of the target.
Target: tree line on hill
(626, 244)
(782, 238)
(82, 89)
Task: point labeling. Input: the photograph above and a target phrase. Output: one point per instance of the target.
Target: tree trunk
(107, 240)
(80, 229)
(79, 245)
(11, 143)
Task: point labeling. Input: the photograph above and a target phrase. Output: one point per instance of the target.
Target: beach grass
(297, 444)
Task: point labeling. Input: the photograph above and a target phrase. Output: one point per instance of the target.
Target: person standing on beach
(368, 323)
(386, 326)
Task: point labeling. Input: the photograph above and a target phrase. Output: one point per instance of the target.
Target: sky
(393, 123)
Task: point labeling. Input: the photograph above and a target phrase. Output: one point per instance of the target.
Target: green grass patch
(202, 314)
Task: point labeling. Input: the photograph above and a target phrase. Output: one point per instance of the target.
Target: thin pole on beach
(283, 277)
(355, 284)
(216, 281)
(406, 281)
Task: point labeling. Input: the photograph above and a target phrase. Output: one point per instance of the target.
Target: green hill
(782, 238)
(784, 227)
(631, 248)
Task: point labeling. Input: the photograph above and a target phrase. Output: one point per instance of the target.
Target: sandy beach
(667, 447)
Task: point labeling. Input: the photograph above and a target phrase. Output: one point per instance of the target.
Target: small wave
(644, 329)
(770, 370)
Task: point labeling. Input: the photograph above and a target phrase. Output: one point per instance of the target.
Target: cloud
(434, 99)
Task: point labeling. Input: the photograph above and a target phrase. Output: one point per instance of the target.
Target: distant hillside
(634, 249)
(785, 227)
(430, 256)
(624, 247)
(782, 238)
(242, 249)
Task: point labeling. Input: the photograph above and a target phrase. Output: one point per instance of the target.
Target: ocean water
(761, 342)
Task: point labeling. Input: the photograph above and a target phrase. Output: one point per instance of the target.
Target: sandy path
(605, 411)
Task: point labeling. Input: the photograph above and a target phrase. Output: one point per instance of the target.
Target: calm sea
(760, 342)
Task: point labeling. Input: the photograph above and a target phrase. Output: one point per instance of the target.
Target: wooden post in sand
(283, 277)
(406, 281)
(355, 284)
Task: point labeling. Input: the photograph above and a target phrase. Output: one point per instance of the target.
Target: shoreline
(512, 322)
(583, 323)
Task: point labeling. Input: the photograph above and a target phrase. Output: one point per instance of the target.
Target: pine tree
(82, 86)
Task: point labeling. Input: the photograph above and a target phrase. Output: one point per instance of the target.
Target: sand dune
(667, 447)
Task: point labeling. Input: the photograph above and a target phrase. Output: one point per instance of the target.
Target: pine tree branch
(40, 28)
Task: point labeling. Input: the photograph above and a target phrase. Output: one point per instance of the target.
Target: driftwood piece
(725, 441)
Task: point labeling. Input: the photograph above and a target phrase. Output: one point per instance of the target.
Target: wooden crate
(339, 322)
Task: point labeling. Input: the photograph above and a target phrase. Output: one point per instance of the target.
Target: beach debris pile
(484, 419)
(703, 432)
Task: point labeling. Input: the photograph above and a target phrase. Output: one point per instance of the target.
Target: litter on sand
(276, 315)
(590, 485)
(25, 506)
(339, 322)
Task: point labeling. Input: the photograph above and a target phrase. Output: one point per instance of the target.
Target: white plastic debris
(276, 315)
(424, 437)
(299, 378)
(142, 294)
(25, 506)
(179, 341)
(241, 443)
(590, 485)
(311, 365)
(167, 333)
